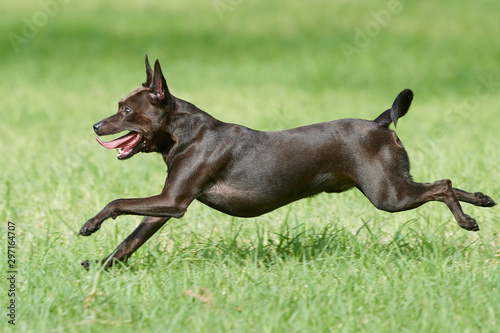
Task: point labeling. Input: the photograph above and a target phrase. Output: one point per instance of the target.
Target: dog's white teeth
(119, 150)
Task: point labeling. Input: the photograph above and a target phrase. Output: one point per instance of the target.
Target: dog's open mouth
(124, 144)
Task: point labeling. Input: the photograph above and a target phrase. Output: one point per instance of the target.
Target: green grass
(332, 263)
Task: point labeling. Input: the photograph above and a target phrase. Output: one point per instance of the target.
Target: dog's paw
(87, 231)
(468, 223)
(85, 264)
(486, 201)
(89, 228)
(106, 263)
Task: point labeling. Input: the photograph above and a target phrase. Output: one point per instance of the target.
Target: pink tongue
(120, 142)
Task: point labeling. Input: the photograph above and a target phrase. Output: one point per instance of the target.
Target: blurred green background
(267, 65)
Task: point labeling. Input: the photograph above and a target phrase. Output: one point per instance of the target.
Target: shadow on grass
(299, 243)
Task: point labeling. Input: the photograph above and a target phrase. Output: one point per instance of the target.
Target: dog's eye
(127, 110)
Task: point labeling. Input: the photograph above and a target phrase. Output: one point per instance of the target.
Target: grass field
(332, 263)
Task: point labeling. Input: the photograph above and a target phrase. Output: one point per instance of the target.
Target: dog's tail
(399, 109)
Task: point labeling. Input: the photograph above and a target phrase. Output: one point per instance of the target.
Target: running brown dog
(246, 173)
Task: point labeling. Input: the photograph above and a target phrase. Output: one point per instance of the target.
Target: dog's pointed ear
(149, 74)
(159, 90)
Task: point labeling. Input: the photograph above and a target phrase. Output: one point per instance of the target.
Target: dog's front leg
(185, 181)
(147, 228)
(161, 205)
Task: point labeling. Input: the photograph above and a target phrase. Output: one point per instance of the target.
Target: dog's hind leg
(401, 196)
(477, 198)
(147, 228)
(385, 180)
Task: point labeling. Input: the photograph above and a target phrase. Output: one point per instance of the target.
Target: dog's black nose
(97, 126)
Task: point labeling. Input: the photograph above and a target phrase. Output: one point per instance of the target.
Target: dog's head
(143, 113)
